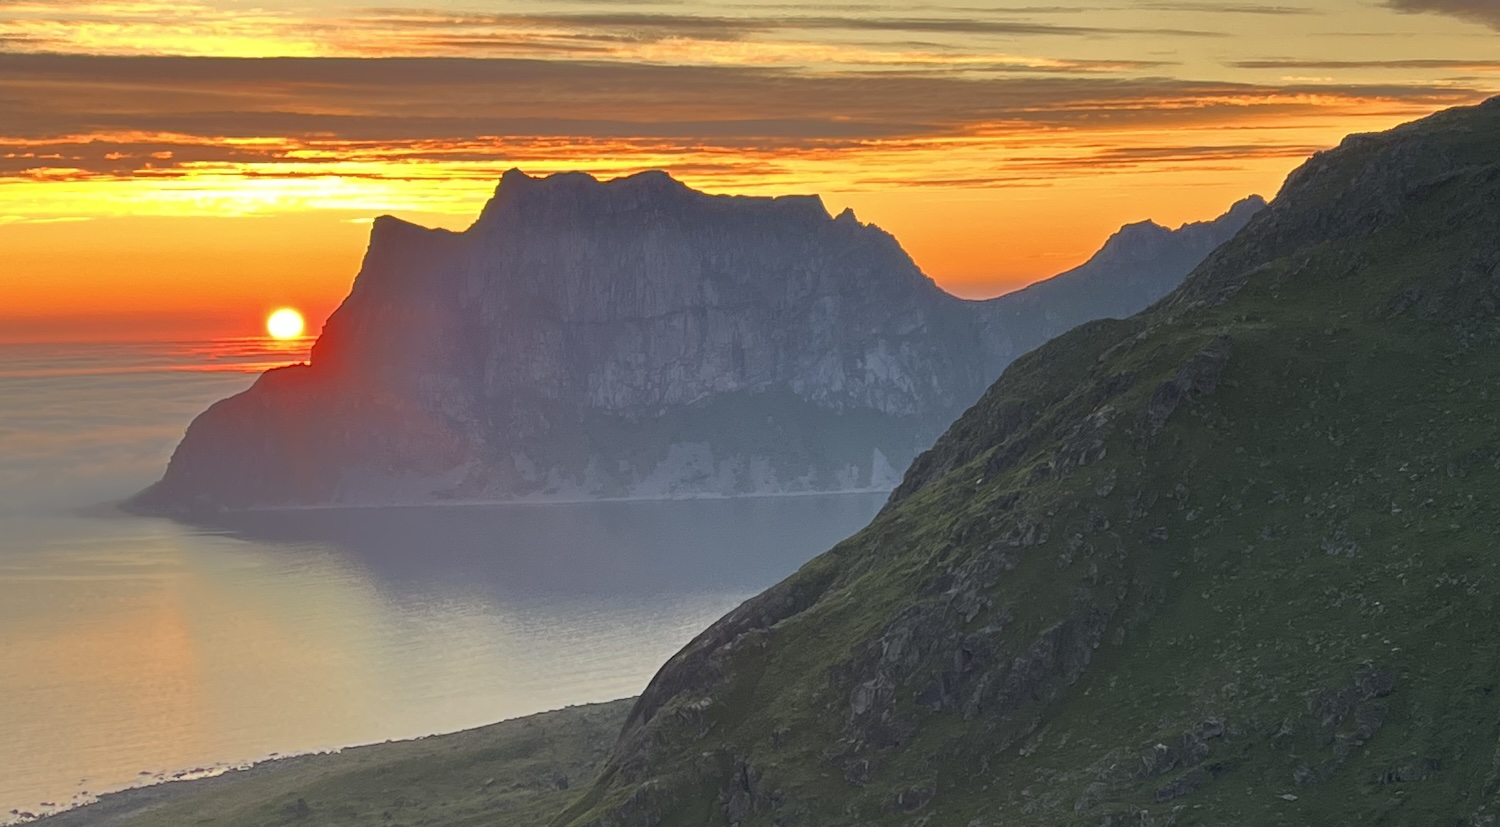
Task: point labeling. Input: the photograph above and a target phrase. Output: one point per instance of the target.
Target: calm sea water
(133, 649)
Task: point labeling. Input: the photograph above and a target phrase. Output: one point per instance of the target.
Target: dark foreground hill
(636, 338)
(1235, 560)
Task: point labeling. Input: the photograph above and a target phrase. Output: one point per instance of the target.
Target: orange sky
(179, 169)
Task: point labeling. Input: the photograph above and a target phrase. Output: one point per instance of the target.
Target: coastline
(122, 806)
(119, 506)
(117, 806)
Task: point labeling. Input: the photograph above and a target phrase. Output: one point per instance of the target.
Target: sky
(179, 169)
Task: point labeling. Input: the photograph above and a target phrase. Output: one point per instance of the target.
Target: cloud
(342, 131)
(205, 28)
(1166, 157)
(646, 25)
(47, 96)
(1397, 65)
(975, 26)
(1227, 8)
(1486, 12)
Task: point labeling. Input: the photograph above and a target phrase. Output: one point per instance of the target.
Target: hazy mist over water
(131, 645)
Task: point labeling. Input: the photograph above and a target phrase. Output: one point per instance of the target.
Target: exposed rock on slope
(1230, 561)
(638, 338)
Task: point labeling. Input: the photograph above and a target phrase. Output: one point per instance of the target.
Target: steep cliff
(1229, 561)
(638, 338)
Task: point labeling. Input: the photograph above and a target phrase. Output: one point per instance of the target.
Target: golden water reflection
(132, 648)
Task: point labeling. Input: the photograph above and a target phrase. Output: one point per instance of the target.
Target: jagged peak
(388, 229)
(1249, 204)
(1133, 234)
(388, 222)
(1142, 238)
(515, 179)
(517, 190)
(1147, 227)
(811, 204)
(1240, 212)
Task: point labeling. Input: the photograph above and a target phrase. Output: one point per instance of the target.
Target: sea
(135, 650)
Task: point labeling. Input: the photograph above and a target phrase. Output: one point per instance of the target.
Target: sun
(285, 323)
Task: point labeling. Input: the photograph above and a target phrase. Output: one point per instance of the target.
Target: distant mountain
(1230, 561)
(637, 338)
(1135, 267)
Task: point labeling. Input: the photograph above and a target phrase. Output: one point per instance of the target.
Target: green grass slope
(516, 773)
(1233, 561)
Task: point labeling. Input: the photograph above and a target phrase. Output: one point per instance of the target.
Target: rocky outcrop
(636, 338)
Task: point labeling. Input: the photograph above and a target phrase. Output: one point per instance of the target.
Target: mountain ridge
(633, 338)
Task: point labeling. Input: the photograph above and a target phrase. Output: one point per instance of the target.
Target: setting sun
(285, 323)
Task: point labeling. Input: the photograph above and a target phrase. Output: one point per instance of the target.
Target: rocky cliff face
(637, 338)
(1219, 563)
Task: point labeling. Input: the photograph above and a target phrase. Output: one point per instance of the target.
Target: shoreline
(116, 807)
(118, 506)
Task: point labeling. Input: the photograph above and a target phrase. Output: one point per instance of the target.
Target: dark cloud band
(1397, 65)
(84, 116)
(51, 95)
(1478, 11)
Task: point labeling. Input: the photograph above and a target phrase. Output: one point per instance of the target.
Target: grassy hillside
(516, 773)
(1233, 561)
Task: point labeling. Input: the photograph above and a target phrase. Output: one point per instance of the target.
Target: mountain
(1230, 561)
(1135, 267)
(638, 338)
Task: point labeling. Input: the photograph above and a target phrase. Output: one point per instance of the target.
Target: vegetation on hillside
(1231, 561)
